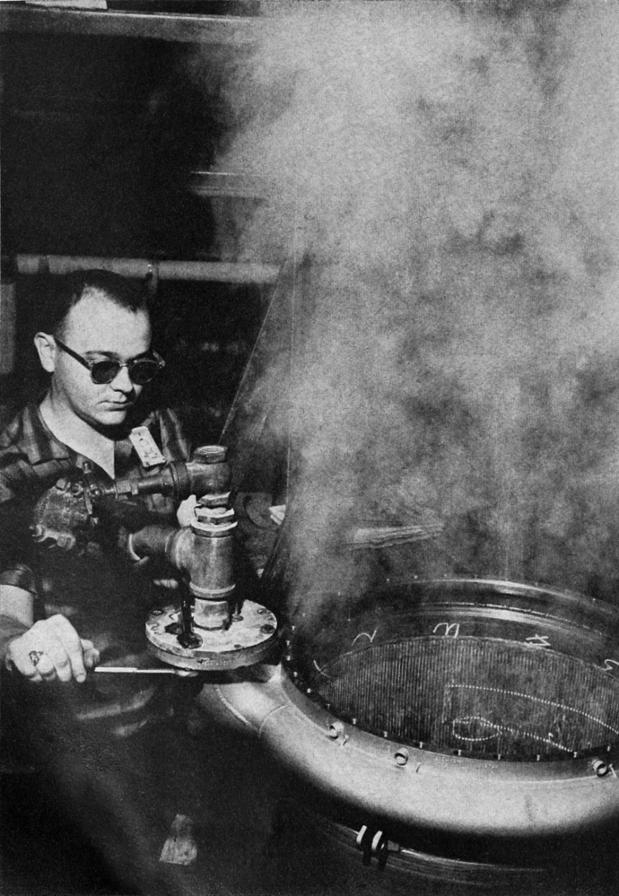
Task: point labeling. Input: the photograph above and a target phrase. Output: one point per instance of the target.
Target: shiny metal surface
(475, 806)
(432, 791)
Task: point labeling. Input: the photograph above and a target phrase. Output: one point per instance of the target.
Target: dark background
(103, 141)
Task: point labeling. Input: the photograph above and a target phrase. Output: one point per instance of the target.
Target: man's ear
(46, 349)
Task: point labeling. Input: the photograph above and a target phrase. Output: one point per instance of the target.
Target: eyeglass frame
(89, 364)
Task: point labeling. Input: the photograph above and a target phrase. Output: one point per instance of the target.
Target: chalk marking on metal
(538, 641)
(362, 634)
(501, 729)
(452, 629)
(318, 669)
(579, 712)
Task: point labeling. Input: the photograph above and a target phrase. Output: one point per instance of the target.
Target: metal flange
(246, 641)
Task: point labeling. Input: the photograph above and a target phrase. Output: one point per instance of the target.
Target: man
(71, 600)
(97, 351)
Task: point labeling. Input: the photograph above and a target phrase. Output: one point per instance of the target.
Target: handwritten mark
(366, 635)
(452, 629)
(318, 669)
(538, 641)
(462, 728)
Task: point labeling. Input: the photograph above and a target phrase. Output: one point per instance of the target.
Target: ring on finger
(35, 656)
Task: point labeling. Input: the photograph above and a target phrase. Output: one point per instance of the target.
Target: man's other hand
(52, 651)
(185, 512)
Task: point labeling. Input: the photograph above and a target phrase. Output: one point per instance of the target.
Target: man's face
(98, 329)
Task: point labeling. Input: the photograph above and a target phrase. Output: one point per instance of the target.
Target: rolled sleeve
(20, 576)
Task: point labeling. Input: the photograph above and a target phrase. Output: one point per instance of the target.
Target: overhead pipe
(224, 31)
(138, 268)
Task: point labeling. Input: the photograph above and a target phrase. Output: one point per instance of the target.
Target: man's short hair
(70, 288)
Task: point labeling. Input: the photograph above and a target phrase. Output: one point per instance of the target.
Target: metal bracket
(373, 844)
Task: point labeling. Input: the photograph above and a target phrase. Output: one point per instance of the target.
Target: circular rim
(516, 616)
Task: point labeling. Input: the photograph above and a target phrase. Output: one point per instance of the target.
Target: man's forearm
(16, 614)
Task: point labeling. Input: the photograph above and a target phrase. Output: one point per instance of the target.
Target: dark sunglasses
(140, 370)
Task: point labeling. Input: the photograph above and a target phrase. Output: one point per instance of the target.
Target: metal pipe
(214, 30)
(204, 271)
(152, 541)
(179, 479)
(431, 792)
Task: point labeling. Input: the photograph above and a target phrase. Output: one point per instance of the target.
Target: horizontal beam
(205, 271)
(227, 30)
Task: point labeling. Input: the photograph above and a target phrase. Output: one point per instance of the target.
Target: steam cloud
(450, 170)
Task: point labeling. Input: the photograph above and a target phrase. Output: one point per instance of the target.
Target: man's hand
(185, 515)
(52, 651)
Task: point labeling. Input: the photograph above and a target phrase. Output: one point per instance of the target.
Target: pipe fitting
(152, 541)
(207, 475)
(205, 556)
(335, 729)
(600, 767)
(401, 756)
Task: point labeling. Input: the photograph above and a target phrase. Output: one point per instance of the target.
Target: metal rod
(208, 271)
(135, 670)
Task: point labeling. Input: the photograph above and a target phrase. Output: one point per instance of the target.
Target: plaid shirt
(98, 588)
(32, 459)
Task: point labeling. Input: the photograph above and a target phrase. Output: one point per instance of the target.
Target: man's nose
(122, 381)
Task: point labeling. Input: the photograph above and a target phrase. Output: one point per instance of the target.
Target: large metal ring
(35, 656)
